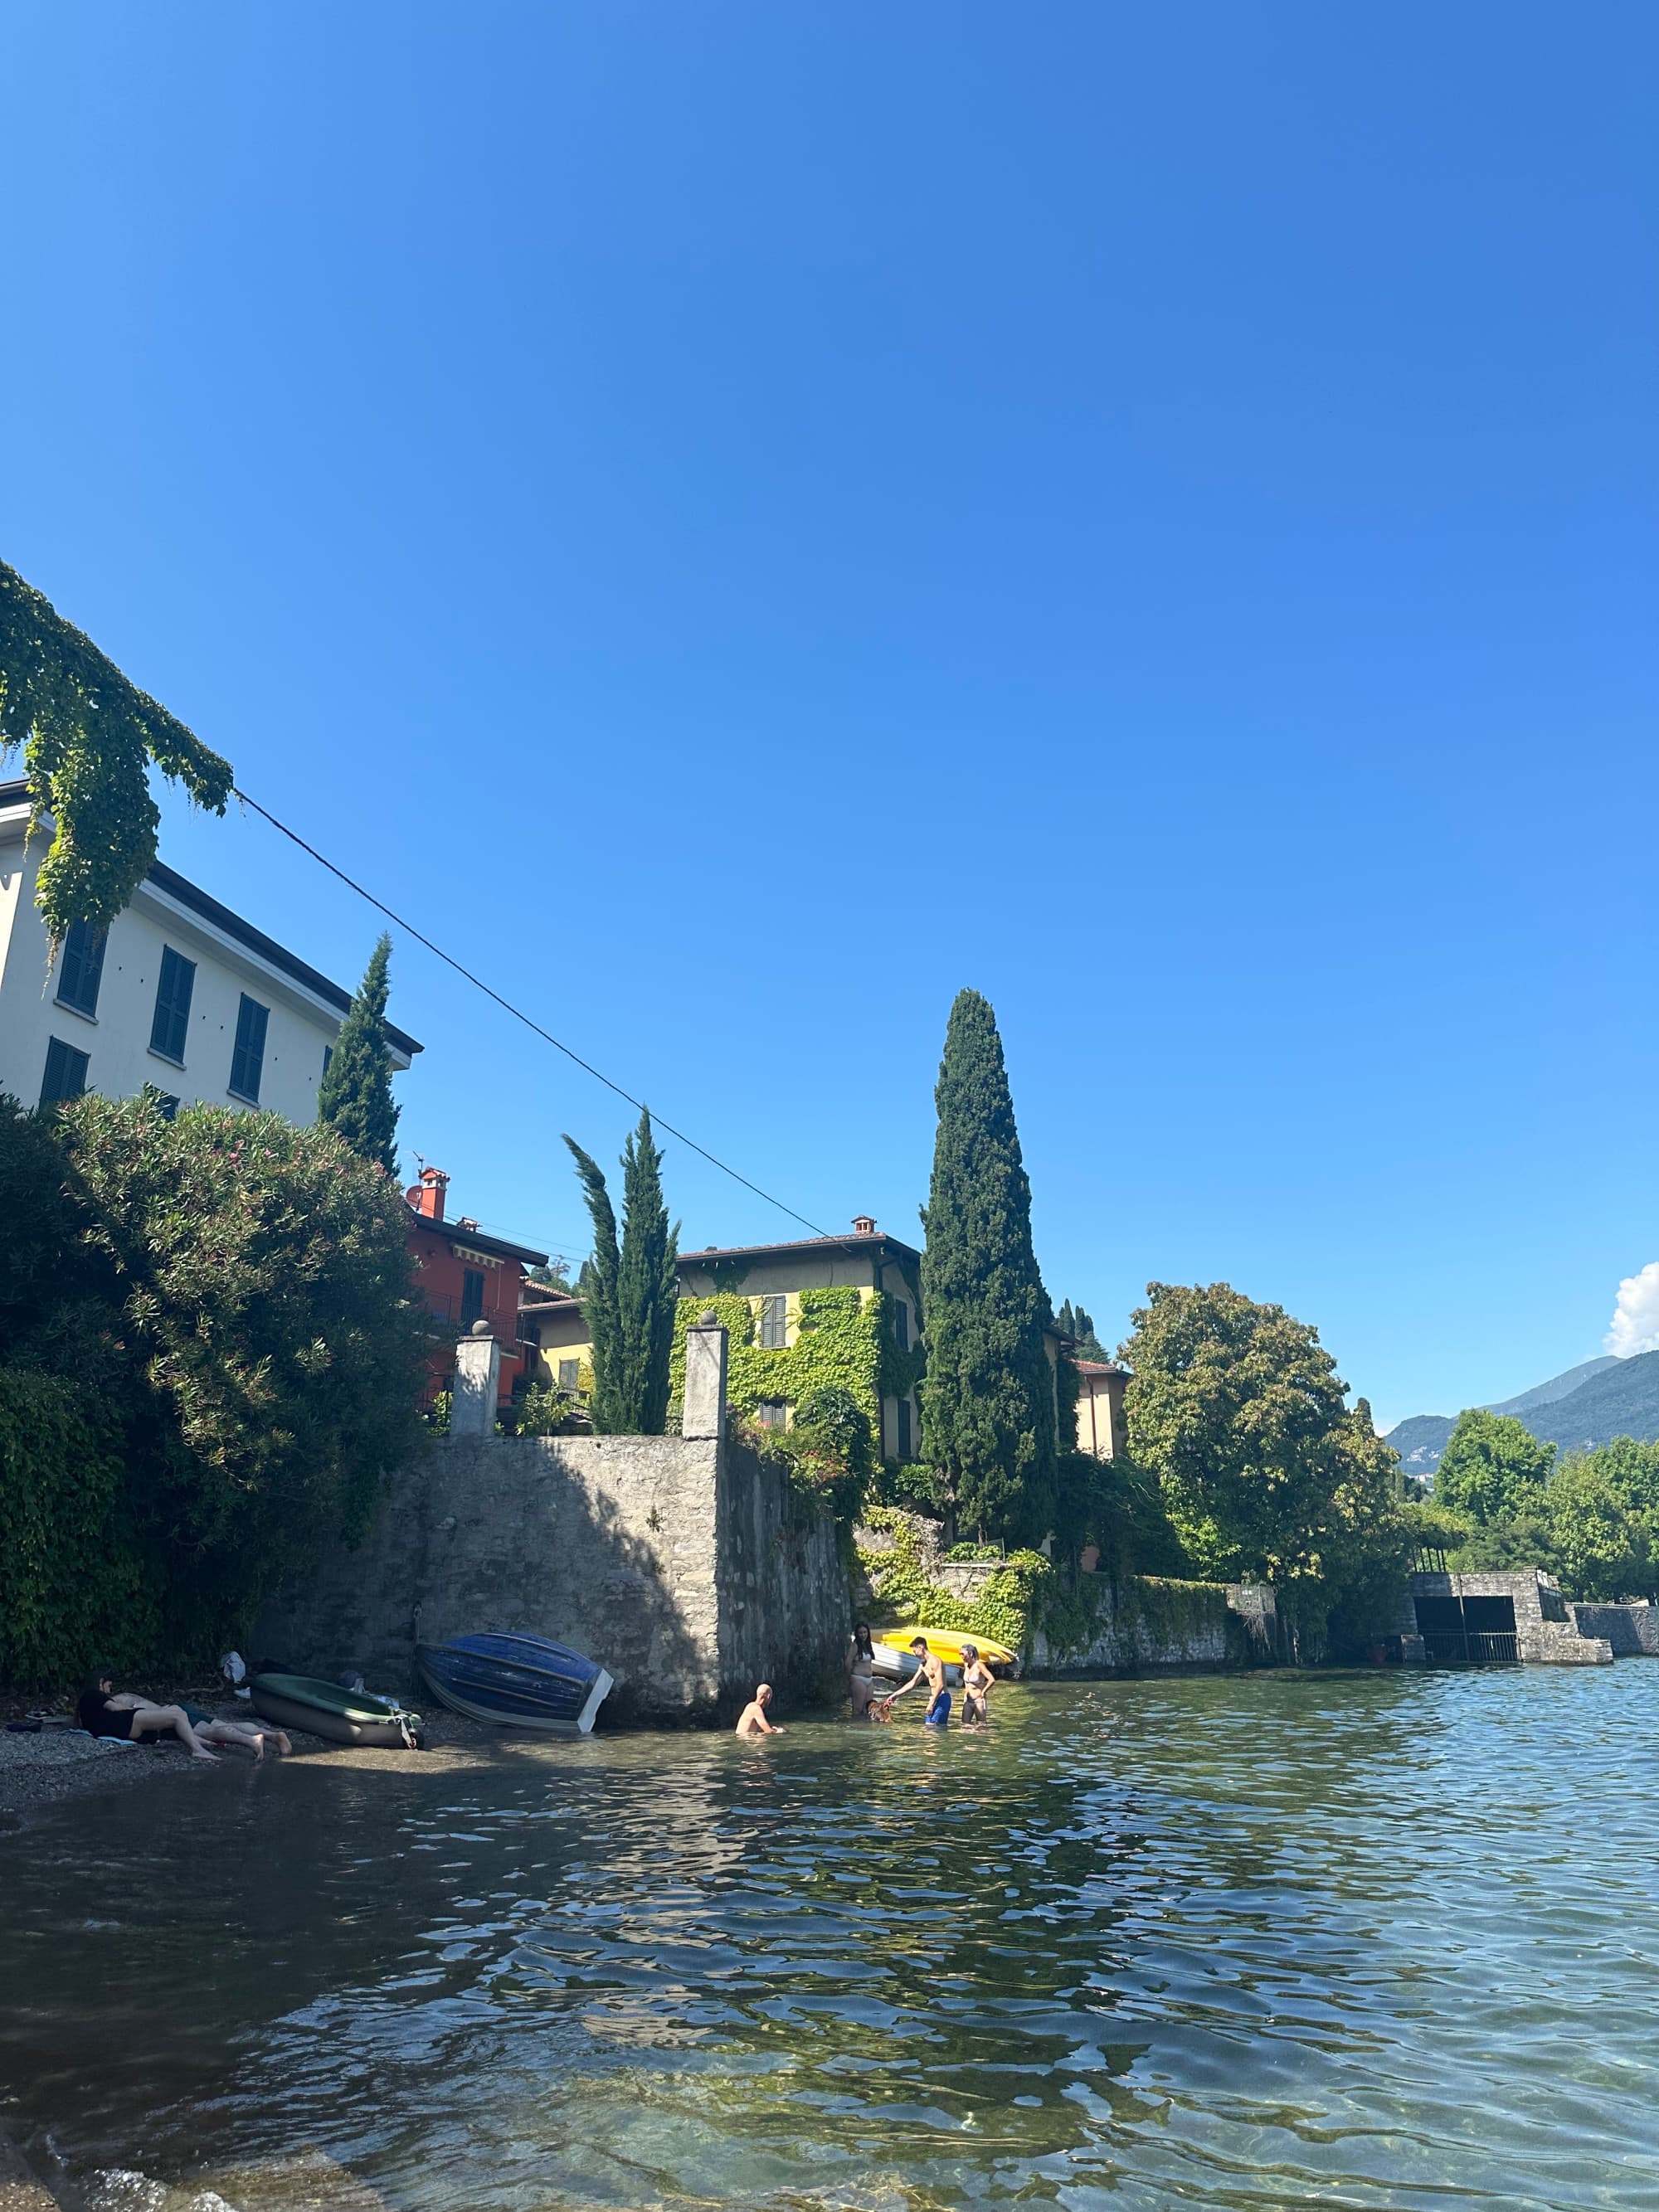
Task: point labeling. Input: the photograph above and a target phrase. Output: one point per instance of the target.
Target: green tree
(89, 737)
(355, 1097)
(1072, 1320)
(988, 1402)
(630, 1299)
(1602, 1545)
(1493, 1469)
(208, 1386)
(1239, 1411)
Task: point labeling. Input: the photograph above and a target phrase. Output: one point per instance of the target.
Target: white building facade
(179, 992)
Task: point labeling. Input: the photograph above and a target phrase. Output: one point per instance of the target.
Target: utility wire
(519, 1014)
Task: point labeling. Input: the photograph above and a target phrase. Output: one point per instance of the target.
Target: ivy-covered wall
(843, 1337)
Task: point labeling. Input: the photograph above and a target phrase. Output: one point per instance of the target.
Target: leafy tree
(1493, 1469)
(1602, 1545)
(223, 1367)
(553, 1275)
(1071, 1321)
(630, 1301)
(355, 1097)
(1239, 1411)
(988, 1403)
(832, 1448)
(89, 737)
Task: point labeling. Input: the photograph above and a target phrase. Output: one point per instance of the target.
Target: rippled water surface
(1344, 1940)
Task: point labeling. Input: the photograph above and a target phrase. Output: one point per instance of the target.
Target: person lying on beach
(976, 1680)
(752, 1721)
(104, 1711)
(931, 1670)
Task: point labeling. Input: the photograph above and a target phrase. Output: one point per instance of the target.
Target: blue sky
(741, 521)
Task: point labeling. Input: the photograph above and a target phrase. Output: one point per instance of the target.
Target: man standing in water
(752, 1721)
(931, 1671)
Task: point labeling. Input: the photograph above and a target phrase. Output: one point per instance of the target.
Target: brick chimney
(863, 1225)
(426, 1196)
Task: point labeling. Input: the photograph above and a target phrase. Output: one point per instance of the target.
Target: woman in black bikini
(976, 1680)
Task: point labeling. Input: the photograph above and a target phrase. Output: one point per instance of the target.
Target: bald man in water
(752, 1721)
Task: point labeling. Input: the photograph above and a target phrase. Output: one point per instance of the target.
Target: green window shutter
(247, 1061)
(66, 1072)
(170, 1028)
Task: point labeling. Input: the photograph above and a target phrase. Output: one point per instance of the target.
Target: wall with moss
(1081, 1624)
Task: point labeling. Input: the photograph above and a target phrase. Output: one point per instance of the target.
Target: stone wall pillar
(478, 1384)
(703, 1412)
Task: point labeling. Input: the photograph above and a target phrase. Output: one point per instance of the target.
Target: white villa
(178, 992)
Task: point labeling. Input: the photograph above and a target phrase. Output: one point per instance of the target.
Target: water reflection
(1220, 1943)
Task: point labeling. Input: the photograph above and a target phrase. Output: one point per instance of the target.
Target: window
(328, 1054)
(570, 1372)
(81, 967)
(773, 1322)
(902, 1324)
(166, 1104)
(248, 1063)
(773, 1413)
(66, 1072)
(169, 1031)
(473, 1283)
(904, 1423)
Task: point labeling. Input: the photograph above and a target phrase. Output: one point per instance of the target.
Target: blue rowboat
(518, 1681)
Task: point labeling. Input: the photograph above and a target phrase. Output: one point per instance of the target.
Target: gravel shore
(40, 1771)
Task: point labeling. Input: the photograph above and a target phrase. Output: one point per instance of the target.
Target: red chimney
(426, 1196)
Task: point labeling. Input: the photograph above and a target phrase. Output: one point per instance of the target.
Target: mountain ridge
(1421, 1439)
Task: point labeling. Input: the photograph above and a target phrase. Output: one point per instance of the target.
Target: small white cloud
(1635, 1326)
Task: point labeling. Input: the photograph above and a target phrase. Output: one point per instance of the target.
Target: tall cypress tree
(987, 1418)
(355, 1095)
(633, 1289)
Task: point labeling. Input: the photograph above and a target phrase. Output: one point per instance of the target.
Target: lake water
(1335, 1940)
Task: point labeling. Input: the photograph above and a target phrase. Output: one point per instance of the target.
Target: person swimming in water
(751, 1721)
(931, 1670)
(976, 1680)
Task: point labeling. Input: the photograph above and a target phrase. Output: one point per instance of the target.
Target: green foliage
(355, 1095)
(840, 1344)
(631, 1300)
(827, 1452)
(1239, 1411)
(233, 1306)
(1071, 1321)
(1594, 1524)
(543, 1411)
(89, 737)
(73, 1587)
(1493, 1468)
(1006, 1608)
(987, 1405)
(911, 1484)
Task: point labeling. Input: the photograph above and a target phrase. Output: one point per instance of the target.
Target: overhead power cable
(520, 1015)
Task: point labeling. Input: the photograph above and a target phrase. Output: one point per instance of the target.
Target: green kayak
(300, 1701)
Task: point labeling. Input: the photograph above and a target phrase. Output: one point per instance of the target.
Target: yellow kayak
(947, 1643)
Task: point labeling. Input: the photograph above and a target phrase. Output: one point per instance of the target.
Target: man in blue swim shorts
(931, 1671)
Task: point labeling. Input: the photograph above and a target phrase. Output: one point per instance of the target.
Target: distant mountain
(1559, 1386)
(1421, 1440)
(1620, 1400)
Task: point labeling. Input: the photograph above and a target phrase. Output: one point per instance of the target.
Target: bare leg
(159, 1719)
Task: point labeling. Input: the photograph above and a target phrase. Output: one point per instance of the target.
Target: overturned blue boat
(518, 1681)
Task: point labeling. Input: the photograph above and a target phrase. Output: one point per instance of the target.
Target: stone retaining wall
(686, 1565)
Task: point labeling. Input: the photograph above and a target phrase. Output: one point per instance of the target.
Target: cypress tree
(631, 1292)
(355, 1096)
(988, 1421)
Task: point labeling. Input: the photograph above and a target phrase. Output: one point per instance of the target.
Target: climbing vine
(89, 736)
(844, 1340)
(1007, 1608)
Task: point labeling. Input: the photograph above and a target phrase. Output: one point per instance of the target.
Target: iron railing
(1475, 1647)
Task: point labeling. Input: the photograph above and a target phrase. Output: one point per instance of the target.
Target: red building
(467, 1277)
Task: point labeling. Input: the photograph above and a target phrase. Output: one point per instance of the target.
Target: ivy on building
(844, 1340)
(89, 736)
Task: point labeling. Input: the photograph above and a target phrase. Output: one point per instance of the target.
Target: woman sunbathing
(104, 1711)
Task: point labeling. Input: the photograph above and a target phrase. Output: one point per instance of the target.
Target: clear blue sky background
(742, 519)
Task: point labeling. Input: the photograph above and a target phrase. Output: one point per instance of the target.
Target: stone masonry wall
(1633, 1630)
(1147, 1626)
(677, 1566)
